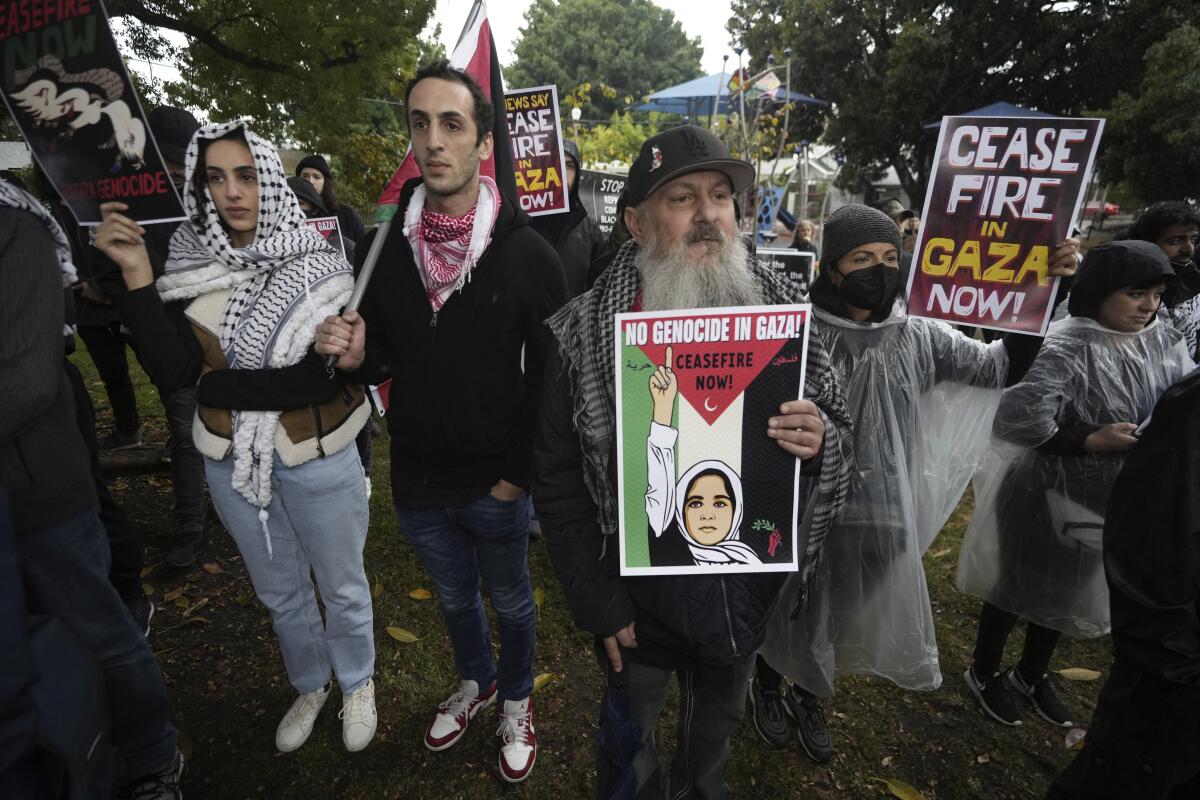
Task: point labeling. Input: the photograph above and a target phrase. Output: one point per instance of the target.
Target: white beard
(672, 279)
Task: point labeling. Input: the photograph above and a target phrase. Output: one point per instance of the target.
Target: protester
(1175, 228)
(574, 235)
(314, 207)
(685, 253)
(63, 553)
(1144, 740)
(921, 397)
(245, 283)
(1033, 548)
(455, 308)
(315, 170)
(802, 236)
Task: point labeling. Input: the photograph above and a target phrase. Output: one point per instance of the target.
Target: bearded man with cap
(685, 254)
(574, 235)
(921, 396)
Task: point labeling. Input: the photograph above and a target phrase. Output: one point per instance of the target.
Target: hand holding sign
(664, 388)
(799, 429)
(120, 238)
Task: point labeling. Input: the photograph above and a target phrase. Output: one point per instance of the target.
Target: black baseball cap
(173, 129)
(678, 151)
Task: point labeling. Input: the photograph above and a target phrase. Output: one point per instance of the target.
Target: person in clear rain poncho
(1033, 548)
(921, 396)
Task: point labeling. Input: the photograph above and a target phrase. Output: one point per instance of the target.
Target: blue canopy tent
(694, 98)
(994, 110)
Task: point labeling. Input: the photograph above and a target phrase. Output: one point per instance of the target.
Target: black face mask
(873, 288)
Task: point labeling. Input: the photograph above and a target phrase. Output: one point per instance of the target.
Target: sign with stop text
(702, 487)
(539, 161)
(1003, 195)
(599, 194)
(65, 85)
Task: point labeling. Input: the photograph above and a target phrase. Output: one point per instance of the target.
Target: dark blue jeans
(490, 539)
(66, 575)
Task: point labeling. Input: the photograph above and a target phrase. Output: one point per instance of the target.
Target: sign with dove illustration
(66, 87)
(702, 488)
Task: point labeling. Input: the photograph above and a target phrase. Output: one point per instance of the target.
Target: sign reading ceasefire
(539, 161)
(1003, 194)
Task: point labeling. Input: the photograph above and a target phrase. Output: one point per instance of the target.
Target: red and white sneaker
(455, 714)
(518, 748)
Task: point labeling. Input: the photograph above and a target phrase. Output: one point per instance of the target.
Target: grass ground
(215, 646)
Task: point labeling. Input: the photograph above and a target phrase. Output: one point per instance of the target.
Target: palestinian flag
(702, 487)
(474, 54)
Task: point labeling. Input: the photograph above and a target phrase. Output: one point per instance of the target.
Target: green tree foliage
(633, 46)
(304, 73)
(891, 66)
(1152, 140)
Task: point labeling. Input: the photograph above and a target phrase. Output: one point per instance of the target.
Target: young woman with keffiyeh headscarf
(235, 314)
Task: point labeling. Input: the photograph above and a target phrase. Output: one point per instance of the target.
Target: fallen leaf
(377, 590)
(900, 789)
(1079, 674)
(181, 602)
(539, 596)
(149, 568)
(421, 594)
(147, 589)
(541, 680)
(1075, 738)
(197, 620)
(213, 568)
(983, 759)
(940, 553)
(887, 761)
(172, 595)
(402, 635)
(199, 604)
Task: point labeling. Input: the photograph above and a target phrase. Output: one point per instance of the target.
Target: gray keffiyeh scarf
(583, 329)
(283, 284)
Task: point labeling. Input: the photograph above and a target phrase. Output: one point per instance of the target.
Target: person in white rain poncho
(235, 316)
(921, 396)
(1033, 548)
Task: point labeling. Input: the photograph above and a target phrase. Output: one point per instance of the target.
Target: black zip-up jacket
(462, 411)
(577, 240)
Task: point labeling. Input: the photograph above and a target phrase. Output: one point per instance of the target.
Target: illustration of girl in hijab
(695, 521)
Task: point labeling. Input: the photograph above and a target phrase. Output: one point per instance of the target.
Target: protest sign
(539, 162)
(797, 267)
(1004, 192)
(599, 193)
(66, 87)
(329, 228)
(701, 487)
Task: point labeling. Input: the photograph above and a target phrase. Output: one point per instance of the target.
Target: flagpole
(364, 276)
(712, 118)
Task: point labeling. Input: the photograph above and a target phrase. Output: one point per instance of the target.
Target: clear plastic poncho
(1033, 546)
(922, 396)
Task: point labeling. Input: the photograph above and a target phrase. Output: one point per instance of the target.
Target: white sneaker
(358, 717)
(455, 714)
(297, 723)
(518, 742)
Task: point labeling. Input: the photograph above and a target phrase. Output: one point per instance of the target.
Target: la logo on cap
(694, 145)
(655, 157)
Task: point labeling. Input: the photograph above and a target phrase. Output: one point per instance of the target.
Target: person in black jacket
(1144, 740)
(574, 235)
(315, 170)
(704, 629)
(64, 554)
(454, 308)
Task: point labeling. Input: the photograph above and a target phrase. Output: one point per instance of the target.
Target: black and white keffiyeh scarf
(282, 286)
(16, 197)
(583, 329)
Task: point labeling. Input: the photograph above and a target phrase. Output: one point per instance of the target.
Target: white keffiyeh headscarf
(283, 285)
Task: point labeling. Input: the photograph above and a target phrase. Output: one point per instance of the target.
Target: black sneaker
(810, 724)
(121, 441)
(163, 785)
(142, 611)
(993, 698)
(184, 554)
(769, 714)
(1042, 697)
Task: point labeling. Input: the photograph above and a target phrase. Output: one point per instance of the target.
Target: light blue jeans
(318, 521)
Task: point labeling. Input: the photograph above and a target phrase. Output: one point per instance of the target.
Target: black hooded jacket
(578, 241)
(462, 412)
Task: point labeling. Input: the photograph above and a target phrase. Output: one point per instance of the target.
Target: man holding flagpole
(454, 311)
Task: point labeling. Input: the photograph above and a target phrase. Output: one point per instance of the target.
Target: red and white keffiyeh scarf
(447, 248)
